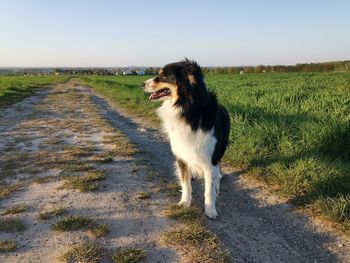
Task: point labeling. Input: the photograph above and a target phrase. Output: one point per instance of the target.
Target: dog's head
(176, 81)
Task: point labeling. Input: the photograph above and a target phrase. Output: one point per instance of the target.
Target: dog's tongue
(158, 94)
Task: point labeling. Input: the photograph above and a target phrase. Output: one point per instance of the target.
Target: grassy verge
(290, 131)
(125, 92)
(14, 88)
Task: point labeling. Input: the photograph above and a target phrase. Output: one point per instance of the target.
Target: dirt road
(38, 138)
(253, 225)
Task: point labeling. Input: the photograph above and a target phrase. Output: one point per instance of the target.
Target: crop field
(13, 88)
(291, 131)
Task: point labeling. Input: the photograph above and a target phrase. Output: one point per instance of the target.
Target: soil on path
(60, 132)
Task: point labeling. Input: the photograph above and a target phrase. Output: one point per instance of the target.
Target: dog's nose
(143, 85)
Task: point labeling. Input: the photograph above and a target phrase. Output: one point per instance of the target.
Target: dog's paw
(184, 203)
(211, 212)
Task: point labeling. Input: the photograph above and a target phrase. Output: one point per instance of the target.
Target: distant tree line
(305, 67)
(103, 71)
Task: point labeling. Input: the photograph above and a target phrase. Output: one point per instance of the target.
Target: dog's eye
(163, 78)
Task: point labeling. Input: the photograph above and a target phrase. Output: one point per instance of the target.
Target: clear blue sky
(154, 32)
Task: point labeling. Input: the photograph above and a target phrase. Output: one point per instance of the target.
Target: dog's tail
(222, 132)
(226, 126)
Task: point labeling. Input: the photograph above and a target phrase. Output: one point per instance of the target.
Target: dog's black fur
(199, 107)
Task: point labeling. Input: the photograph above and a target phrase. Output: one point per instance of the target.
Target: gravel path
(38, 137)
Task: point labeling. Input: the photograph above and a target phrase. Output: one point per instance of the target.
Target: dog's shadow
(255, 231)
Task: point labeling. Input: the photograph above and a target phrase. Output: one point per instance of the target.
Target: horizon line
(206, 66)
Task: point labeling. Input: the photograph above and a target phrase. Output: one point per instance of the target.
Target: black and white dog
(197, 126)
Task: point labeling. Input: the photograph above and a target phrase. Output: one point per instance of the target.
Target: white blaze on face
(160, 90)
(149, 85)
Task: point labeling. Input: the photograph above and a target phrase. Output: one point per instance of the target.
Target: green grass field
(291, 131)
(15, 88)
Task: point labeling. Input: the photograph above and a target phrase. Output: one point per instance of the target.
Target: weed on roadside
(7, 246)
(75, 223)
(16, 209)
(11, 225)
(9, 189)
(144, 195)
(86, 182)
(182, 213)
(128, 255)
(52, 213)
(88, 252)
(196, 242)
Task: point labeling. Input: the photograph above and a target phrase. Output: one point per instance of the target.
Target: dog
(197, 127)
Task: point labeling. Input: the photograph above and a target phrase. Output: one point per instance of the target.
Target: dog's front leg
(185, 179)
(212, 181)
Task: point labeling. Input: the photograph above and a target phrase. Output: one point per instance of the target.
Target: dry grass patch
(122, 145)
(11, 225)
(169, 188)
(86, 182)
(80, 151)
(44, 179)
(143, 195)
(7, 246)
(52, 213)
(182, 213)
(9, 189)
(196, 243)
(75, 223)
(192, 238)
(16, 209)
(104, 157)
(128, 255)
(150, 174)
(98, 230)
(53, 141)
(87, 252)
(77, 166)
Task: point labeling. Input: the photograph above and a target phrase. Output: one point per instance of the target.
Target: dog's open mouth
(160, 93)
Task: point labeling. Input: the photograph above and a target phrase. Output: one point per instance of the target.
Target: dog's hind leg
(218, 173)
(185, 179)
(212, 182)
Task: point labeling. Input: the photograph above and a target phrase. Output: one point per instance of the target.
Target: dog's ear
(193, 73)
(191, 79)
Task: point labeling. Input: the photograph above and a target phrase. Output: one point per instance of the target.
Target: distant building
(140, 72)
(126, 72)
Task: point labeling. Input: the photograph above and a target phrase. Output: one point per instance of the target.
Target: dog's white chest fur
(195, 148)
